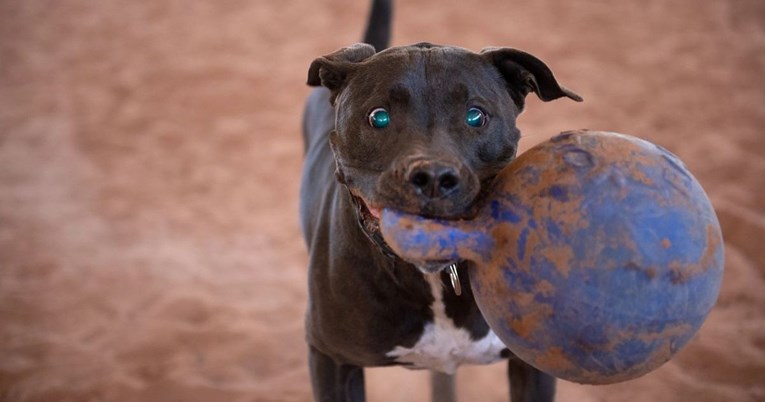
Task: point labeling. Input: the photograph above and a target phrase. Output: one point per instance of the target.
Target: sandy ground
(149, 166)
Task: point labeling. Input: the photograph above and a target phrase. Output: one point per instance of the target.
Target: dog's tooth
(376, 212)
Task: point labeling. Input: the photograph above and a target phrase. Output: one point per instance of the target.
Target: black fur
(364, 301)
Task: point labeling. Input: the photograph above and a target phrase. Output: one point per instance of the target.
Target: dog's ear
(525, 73)
(332, 70)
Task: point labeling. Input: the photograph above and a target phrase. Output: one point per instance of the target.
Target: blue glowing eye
(475, 117)
(379, 118)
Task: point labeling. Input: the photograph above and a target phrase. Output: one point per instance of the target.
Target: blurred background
(150, 155)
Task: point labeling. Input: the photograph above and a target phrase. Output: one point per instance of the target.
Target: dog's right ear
(332, 70)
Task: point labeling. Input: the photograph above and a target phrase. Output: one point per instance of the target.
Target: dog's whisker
(524, 136)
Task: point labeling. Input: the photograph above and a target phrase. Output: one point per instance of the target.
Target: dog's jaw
(369, 221)
(368, 216)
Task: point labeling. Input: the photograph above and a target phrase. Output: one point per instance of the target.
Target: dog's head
(425, 128)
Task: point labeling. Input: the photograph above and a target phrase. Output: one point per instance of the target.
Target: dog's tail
(379, 24)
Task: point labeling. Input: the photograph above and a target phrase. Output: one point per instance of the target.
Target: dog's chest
(443, 346)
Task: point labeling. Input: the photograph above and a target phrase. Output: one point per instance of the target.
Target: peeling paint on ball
(597, 256)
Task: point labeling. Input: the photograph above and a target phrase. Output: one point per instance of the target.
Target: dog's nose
(434, 180)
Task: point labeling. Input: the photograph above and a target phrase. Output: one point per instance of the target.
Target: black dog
(422, 129)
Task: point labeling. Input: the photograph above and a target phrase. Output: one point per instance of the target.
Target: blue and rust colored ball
(596, 258)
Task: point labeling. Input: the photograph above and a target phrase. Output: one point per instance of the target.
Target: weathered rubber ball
(596, 258)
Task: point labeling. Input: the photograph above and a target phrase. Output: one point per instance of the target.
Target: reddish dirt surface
(149, 165)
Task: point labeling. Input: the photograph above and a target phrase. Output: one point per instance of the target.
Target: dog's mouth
(369, 216)
(369, 219)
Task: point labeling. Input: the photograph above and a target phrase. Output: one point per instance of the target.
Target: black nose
(433, 179)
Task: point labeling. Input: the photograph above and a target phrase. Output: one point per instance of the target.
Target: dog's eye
(475, 117)
(379, 118)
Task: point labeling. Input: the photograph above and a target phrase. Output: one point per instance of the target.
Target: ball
(609, 257)
(596, 257)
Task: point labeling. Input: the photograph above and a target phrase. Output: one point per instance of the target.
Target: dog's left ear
(525, 73)
(332, 70)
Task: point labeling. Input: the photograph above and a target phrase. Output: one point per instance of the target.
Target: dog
(422, 129)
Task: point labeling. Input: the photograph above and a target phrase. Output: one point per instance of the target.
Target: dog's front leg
(528, 384)
(333, 382)
(442, 387)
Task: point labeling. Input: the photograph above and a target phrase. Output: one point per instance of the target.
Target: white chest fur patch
(443, 346)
